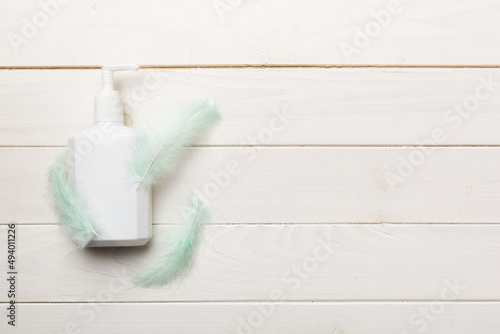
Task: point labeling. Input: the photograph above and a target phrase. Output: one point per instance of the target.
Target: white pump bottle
(98, 159)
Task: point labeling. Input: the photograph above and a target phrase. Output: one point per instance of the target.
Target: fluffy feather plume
(178, 256)
(157, 149)
(71, 205)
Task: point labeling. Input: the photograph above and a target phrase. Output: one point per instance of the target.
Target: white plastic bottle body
(97, 161)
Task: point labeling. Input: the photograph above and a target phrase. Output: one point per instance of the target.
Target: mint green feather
(180, 248)
(70, 204)
(157, 148)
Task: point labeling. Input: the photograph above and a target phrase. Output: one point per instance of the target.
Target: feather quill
(70, 204)
(156, 150)
(180, 251)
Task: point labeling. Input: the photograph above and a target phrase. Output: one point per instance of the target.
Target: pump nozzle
(108, 71)
(107, 105)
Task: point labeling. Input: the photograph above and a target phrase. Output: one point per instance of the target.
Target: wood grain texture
(325, 106)
(293, 185)
(88, 33)
(232, 318)
(254, 263)
(309, 219)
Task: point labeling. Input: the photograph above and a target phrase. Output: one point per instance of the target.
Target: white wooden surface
(294, 185)
(293, 318)
(327, 106)
(419, 257)
(185, 33)
(249, 262)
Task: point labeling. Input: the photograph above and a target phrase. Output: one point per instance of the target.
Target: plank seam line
(340, 301)
(261, 66)
(287, 145)
(295, 224)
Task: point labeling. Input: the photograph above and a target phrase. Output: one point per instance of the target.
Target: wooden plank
(229, 318)
(259, 262)
(325, 106)
(88, 33)
(294, 185)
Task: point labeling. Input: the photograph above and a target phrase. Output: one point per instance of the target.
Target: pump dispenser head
(108, 106)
